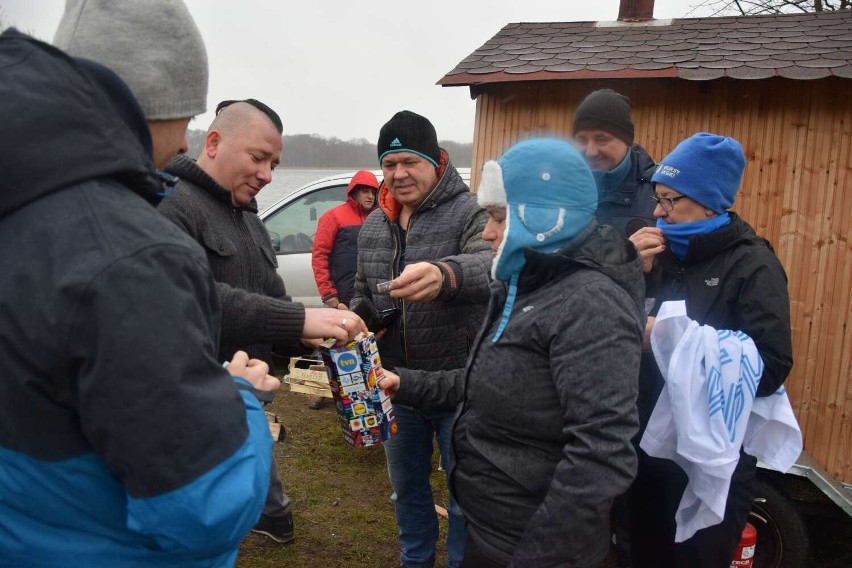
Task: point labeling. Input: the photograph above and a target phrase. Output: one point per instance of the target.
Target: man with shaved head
(214, 202)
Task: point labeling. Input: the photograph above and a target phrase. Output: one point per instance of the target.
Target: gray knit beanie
(154, 46)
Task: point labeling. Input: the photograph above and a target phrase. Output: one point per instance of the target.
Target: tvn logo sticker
(347, 362)
(396, 143)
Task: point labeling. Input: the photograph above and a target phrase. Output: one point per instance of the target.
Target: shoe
(279, 529)
(315, 402)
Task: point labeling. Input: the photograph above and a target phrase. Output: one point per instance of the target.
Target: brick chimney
(636, 10)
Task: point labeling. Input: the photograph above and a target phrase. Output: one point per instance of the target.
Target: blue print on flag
(715, 396)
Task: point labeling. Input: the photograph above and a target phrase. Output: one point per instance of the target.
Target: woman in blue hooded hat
(545, 409)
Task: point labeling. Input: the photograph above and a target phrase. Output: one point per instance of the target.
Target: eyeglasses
(667, 203)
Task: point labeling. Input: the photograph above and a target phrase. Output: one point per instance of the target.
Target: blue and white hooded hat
(550, 196)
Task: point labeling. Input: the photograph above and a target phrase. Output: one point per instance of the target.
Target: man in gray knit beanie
(123, 440)
(154, 47)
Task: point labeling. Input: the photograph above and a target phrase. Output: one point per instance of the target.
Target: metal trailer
(782, 539)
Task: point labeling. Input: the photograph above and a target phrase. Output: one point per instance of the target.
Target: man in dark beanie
(603, 132)
(409, 132)
(426, 237)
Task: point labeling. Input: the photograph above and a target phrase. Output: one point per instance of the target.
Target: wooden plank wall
(796, 192)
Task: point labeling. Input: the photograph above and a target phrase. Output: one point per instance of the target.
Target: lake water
(288, 180)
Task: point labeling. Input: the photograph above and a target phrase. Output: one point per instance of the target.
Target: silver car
(292, 225)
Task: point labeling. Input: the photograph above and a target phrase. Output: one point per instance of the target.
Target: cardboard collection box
(364, 410)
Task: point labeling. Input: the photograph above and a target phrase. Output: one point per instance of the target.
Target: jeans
(409, 458)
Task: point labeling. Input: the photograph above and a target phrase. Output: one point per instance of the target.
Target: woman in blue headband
(730, 279)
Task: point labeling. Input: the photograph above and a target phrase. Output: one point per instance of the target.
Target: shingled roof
(795, 46)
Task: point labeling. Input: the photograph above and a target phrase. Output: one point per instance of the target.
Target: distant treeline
(313, 151)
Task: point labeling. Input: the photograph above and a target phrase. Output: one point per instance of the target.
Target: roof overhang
(471, 79)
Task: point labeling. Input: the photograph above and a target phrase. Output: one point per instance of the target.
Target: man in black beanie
(425, 236)
(603, 132)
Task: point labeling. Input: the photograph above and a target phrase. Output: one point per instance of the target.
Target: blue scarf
(610, 180)
(677, 234)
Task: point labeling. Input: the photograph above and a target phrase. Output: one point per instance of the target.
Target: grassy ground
(344, 517)
(340, 496)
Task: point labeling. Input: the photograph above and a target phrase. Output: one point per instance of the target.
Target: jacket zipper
(402, 302)
(404, 329)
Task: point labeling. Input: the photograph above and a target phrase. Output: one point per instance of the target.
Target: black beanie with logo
(608, 111)
(409, 132)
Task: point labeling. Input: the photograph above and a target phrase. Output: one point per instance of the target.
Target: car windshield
(292, 227)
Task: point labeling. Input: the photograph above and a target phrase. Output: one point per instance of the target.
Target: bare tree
(764, 7)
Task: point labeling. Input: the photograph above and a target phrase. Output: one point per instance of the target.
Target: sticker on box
(354, 371)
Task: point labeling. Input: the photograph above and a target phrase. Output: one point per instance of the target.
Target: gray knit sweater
(257, 314)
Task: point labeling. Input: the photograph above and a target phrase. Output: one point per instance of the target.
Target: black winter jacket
(447, 227)
(545, 416)
(730, 279)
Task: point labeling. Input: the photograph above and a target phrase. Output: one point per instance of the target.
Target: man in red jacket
(336, 242)
(336, 247)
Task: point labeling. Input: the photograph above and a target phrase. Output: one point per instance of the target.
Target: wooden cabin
(781, 85)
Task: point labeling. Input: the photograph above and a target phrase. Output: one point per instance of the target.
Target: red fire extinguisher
(744, 556)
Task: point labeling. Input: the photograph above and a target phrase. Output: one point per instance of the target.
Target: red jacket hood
(363, 177)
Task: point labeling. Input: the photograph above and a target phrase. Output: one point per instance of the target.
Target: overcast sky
(341, 67)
